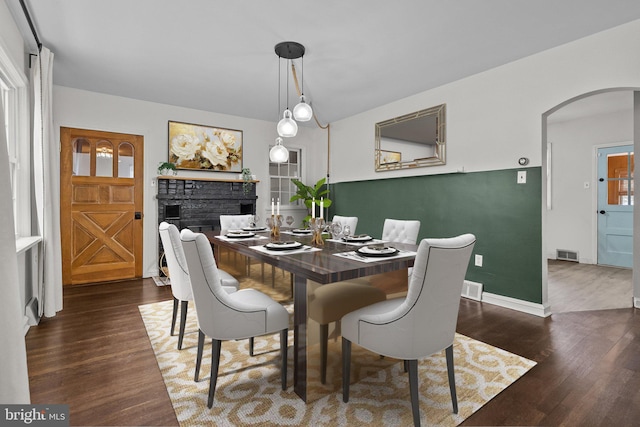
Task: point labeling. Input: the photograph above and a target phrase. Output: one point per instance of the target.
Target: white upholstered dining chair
(234, 222)
(179, 276)
(246, 313)
(351, 221)
(400, 230)
(420, 324)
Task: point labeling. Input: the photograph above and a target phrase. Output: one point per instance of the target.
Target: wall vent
(565, 255)
(472, 290)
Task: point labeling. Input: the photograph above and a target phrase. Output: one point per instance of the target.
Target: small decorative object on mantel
(247, 185)
(167, 168)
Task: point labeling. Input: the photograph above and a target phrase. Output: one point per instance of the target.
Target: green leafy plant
(307, 193)
(165, 167)
(247, 185)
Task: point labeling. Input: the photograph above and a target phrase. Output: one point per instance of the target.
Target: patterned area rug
(249, 393)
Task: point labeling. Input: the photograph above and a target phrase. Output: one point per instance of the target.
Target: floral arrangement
(202, 147)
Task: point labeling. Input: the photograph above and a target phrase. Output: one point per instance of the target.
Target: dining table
(335, 260)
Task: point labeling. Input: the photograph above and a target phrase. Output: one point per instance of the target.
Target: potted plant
(247, 185)
(167, 168)
(308, 193)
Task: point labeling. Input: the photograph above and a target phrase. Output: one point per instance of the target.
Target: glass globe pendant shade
(302, 112)
(287, 127)
(278, 153)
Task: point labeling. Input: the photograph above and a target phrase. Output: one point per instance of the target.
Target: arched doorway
(569, 187)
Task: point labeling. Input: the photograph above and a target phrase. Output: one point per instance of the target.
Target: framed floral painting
(199, 147)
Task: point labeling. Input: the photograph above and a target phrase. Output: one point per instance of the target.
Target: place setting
(241, 234)
(284, 248)
(372, 253)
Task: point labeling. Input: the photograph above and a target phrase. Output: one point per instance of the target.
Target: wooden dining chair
(420, 324)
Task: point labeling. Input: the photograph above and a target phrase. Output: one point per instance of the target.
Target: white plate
(375, 251)
(283, 246)
(240, 234)
(359, 238)
(254, 228)
(301, 231)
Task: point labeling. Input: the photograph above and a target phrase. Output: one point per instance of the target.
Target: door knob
(603, 212)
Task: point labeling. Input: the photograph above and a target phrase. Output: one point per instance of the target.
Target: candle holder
(276, 222)
(317, 226)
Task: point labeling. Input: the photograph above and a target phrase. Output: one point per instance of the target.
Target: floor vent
(564, 255)
(472, 290)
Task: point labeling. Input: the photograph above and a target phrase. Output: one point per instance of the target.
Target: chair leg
(184, 305)
(216, 345)
(413, 391)
(452, 378)
(251, 341)
(324, 339)
(273, 276)
(284, 335)
(175, 315)
(199, 355)
(346, 368)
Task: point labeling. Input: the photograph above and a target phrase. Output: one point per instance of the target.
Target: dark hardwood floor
(96, 357)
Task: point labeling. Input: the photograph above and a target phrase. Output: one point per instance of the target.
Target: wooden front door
(101, 194)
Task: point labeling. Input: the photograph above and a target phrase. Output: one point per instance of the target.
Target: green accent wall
(504, 216)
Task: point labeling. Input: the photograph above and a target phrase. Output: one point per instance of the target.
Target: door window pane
(620, 179)
(81, 157)
(125, 160)
(104, 159)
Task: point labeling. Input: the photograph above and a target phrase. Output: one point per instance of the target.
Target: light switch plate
(478, 260)
(522, 177)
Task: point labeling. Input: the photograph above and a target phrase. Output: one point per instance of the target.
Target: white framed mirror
(411, 141)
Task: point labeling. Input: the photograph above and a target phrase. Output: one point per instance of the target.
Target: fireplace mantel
(182, 178)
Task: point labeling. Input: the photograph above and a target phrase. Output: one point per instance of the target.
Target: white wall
(572, 220)
(493, 118)
(89, 110)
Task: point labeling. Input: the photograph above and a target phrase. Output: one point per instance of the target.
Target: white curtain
(14, 383)
(46, 174)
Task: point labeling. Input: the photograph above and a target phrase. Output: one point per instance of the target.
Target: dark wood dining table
(322, 267)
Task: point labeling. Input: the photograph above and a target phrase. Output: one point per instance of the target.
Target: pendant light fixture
(287, 127)
(278, 153)
(303, 111)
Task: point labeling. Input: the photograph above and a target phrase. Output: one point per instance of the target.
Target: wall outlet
(478, 260)
(522, 177)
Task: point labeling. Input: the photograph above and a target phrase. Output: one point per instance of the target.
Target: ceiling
(219, 56)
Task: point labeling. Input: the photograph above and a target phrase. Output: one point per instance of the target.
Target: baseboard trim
(517, 304)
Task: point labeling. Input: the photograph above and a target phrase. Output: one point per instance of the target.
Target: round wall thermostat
(523, 161)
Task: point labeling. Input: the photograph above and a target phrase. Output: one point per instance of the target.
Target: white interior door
(615, 206)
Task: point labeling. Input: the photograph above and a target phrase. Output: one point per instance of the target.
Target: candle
(272, 212)
(278, 212)
(313, 208)
(321, 207)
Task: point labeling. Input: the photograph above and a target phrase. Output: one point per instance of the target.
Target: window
(14, 98)
(280, 174)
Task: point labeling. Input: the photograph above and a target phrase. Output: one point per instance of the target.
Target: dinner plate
(283, 246)
(358, 238)
(240, 234)
(377, 251)
(301, 231)
(254, 228)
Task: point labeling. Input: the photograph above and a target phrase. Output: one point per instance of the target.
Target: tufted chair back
(234, 222)
(401, 231)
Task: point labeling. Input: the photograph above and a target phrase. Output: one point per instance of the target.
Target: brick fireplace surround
(197, 203)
